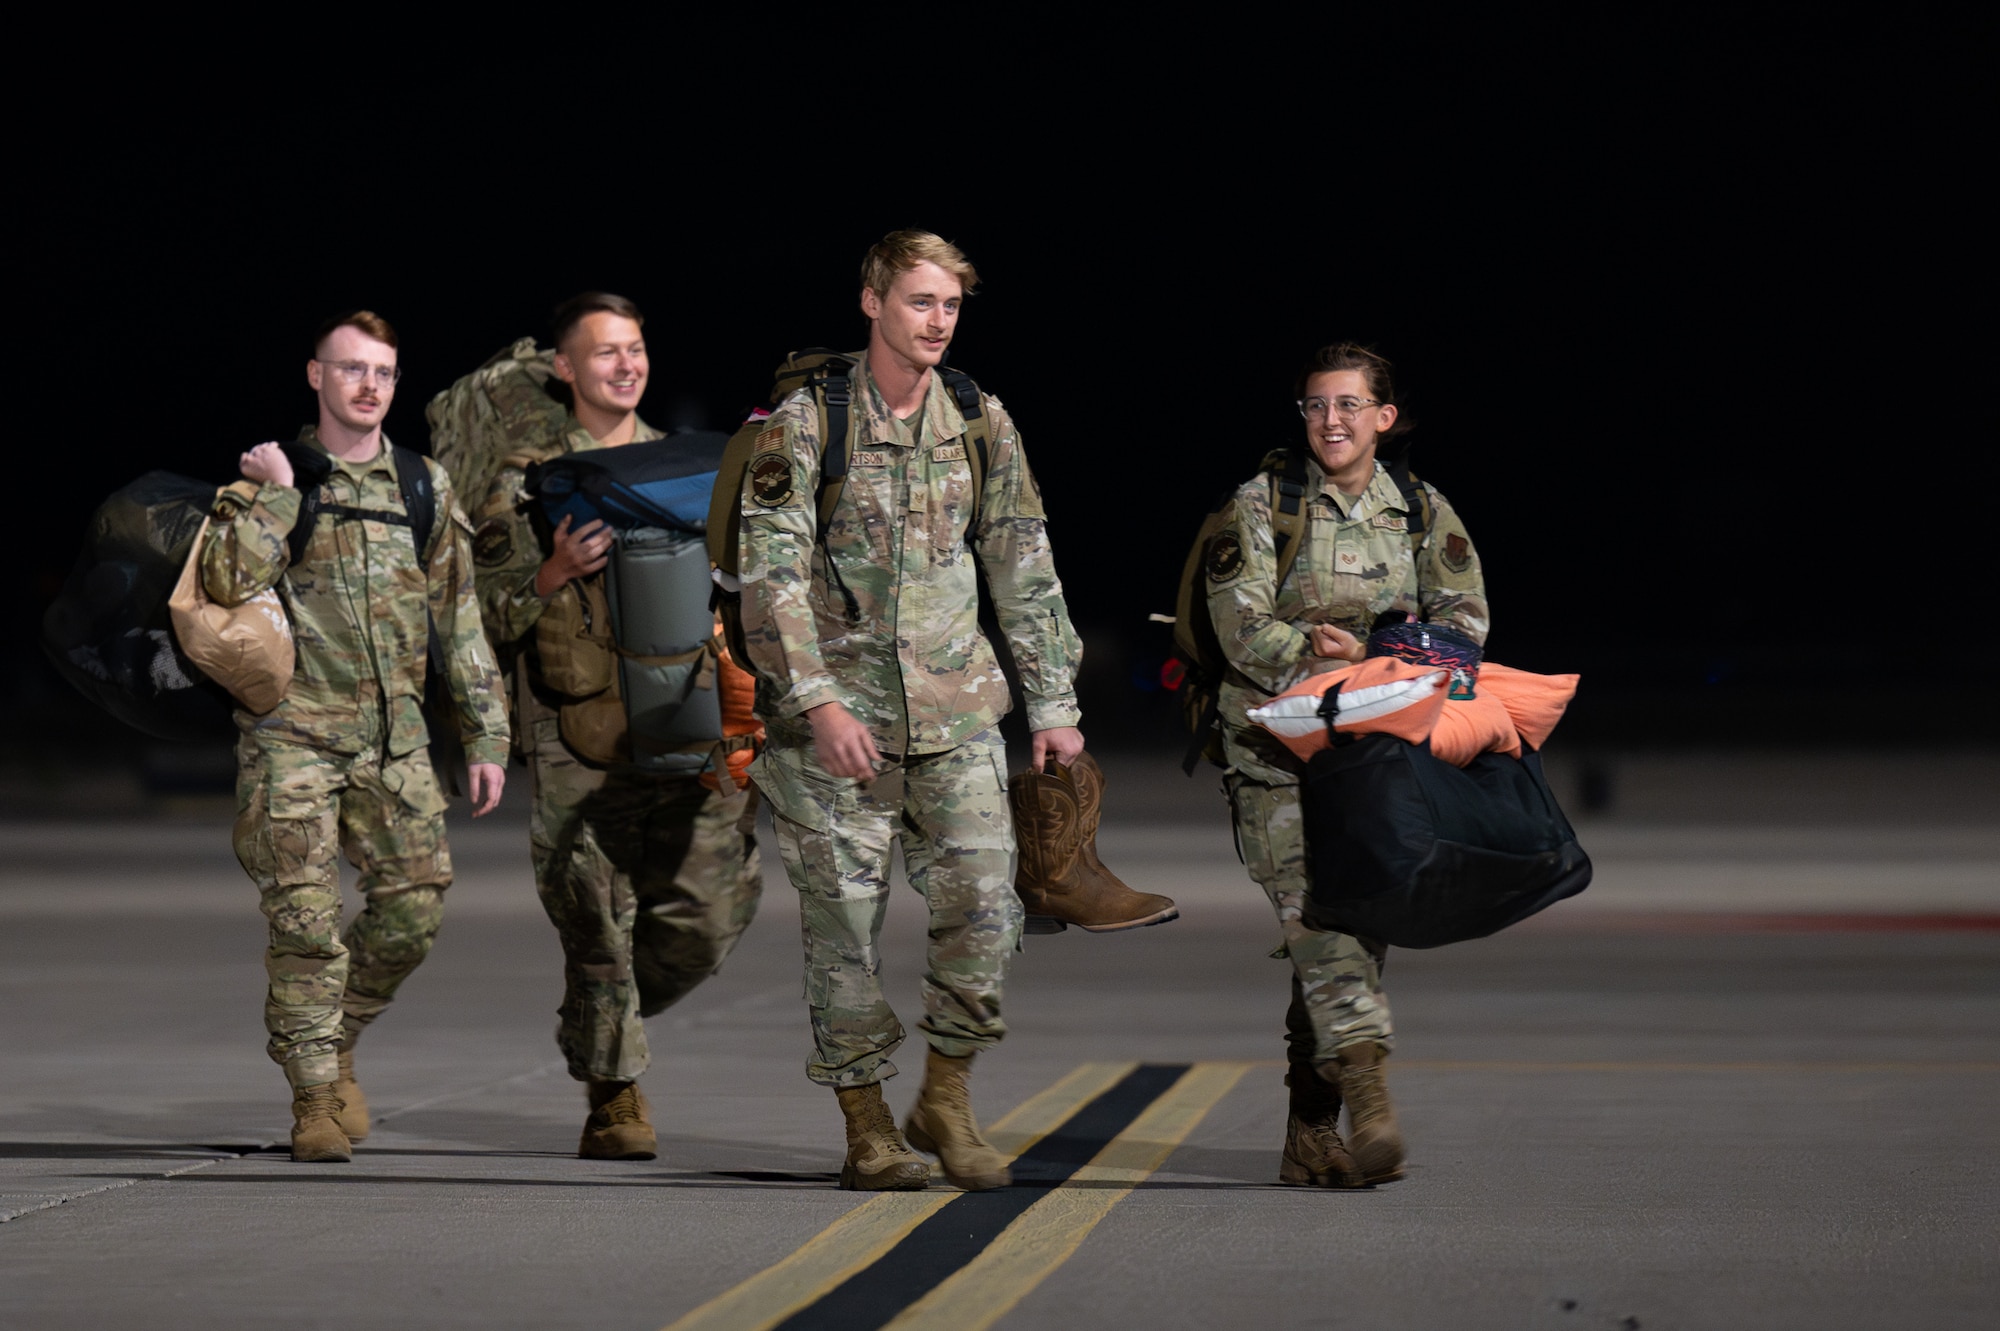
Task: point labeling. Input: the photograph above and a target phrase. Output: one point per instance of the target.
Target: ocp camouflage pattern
(883, 614)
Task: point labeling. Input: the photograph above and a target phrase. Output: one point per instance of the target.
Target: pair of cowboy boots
(1060, 878)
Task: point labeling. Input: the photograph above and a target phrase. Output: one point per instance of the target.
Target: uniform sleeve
(1451, 588)
(1013, 547)
(1240, 572)
(476, 693)
(774, 559)
(245, 551)
(507, 556)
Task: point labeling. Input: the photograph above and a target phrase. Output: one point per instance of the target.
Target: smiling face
(603, 360)
(1345, 444)
(914, 322)
(354, 377)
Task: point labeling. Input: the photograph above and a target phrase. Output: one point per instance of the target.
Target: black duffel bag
(1414, 852)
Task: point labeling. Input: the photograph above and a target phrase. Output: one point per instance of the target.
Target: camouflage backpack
(502, 409)
(829, 374)
(1197, 649)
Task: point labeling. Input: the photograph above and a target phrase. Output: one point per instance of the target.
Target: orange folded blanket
(1383, 695)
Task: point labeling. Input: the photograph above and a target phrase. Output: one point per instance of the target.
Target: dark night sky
(1672, 332)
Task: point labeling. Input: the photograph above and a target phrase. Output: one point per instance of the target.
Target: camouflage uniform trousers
(1337, 997)
(949, 812)
(649, 882)
(294, 807)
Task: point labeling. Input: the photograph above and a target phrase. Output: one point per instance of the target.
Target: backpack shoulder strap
(413, 478)
(1416, 501)
(1287, 471)
(833, 391)
(978, 431)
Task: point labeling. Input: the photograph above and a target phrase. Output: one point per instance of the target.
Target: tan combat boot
(353, 1115)
(316, 1134)
(1371, 1120)
(1060, 878)
(942, 1125)
(1315, 1156)
(617, 1128)
(877, 1159)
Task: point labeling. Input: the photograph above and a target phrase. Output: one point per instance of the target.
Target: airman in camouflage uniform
(342, 763)
(1355, 561)
(648, 879)
(881, 698)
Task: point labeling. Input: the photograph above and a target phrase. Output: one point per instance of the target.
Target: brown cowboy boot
(353, 1116)
(617, 1128)
(1060, 879)
(942, 1125)
(1315, 1156)
(316, 1134)
(877, 1160)
(1371, 1120)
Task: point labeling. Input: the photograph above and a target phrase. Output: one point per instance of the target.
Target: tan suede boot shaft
(618, 1127)
(1060, 878)
(1315, 1156)
(877, 1159)
(316, 1134)
(1372, 1134)
(353, 1116)
(942, 1125)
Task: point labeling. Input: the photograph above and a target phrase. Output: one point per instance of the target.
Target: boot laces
(622, 1107)
(316, 1100)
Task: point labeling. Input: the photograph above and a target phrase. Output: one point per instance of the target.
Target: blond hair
(900, 251)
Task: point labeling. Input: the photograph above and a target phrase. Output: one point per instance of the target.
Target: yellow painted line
(860, 1237)
(985, 1289)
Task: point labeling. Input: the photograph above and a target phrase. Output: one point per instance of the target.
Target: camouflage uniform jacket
(1355, 562)
(882, 614)
(357, 602)
(506, 548)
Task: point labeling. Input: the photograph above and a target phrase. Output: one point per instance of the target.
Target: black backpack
(108, 631)
(1414, 852)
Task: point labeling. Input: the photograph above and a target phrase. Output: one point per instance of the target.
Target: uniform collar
(576, 439)
(1381, 494)
(382, 461)
(877, 426)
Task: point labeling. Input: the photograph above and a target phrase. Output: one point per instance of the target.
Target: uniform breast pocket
(951, 501)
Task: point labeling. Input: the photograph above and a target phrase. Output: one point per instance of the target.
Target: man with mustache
(649, 878)
(341, 763)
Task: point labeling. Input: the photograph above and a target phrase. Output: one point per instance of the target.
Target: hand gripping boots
(1060, 878)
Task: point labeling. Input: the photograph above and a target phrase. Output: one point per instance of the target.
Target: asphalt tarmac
(1748, 1079)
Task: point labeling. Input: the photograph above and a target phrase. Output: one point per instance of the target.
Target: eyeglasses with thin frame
(354, 371)
(1347, 408)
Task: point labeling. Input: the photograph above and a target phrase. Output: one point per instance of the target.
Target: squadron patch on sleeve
(770, 440)
(1225, 556)
(771, 480)
(1457, 552)
(491, 544)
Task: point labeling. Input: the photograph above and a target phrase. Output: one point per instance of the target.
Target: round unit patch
(491, 545)
(771, 480)
(1225, 556)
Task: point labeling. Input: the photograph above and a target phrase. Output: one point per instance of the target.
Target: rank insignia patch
(771, 481)
(1225, 556)
(770, 440)
(1457, 552)
(491, 545)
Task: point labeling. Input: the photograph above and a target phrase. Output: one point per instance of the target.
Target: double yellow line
(1022, 1256)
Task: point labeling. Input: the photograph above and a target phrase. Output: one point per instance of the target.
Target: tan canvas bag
(246, 648)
